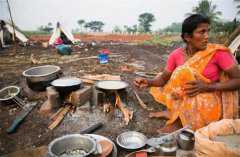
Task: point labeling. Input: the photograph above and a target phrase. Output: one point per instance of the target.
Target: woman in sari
(200, 81)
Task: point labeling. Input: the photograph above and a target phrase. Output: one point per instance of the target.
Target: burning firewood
(107, 107)
(33, 59)
(128, 114)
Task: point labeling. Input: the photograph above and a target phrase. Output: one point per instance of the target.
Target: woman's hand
(193, 88)
(141, 83)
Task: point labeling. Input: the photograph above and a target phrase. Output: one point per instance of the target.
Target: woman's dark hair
(191, 23)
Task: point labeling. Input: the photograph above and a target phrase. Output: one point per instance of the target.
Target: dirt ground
(33, 132)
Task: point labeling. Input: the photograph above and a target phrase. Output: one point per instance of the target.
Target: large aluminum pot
(38, 78)
(71, 146)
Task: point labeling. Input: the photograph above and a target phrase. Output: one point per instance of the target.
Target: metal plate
(112, 84)
(66, 82)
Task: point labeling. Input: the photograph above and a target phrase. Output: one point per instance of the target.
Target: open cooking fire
(118, 102)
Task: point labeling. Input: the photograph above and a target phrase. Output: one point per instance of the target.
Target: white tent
(20, 36)
(57, 33)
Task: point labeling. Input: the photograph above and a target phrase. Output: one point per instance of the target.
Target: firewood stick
(54, 115)
(90, 81)
(141, 103)
(59, 118)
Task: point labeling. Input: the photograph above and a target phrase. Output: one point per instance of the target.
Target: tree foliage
(238, 6)
(117, 29)
(48, 28)
(174, 27)
(95, 26)
(225, 26)
(131, 29)
(208, 9)
(145, 21)
(80, 23)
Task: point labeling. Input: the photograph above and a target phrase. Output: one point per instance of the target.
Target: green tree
(208, 9)
(226, 26)
(174, 27)
(95, 26)
(80, 23)
(131, 30)
(117, 29)
(238, 6)
(48, 28)
(145, 21)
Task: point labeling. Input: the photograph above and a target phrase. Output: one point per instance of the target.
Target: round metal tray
(66, 82)
(112, 84)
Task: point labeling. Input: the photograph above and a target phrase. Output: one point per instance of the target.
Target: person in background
(58, 41)
(199, 83)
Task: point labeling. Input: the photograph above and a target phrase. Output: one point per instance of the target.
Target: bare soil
(33, 132)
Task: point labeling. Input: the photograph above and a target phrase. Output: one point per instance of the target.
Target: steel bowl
(186, 139)
(131, 140)
(168, 150)
(9, 93)
(38, 78)
(70, 143)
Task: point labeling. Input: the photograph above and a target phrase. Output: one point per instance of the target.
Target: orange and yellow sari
(200, 110)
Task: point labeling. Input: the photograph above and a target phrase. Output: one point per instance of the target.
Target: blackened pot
(38, 78)
(66, 85)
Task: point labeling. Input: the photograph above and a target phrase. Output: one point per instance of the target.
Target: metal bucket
(68, 143)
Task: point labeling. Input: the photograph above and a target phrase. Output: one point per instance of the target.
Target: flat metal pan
(67, 84)
(112, 84)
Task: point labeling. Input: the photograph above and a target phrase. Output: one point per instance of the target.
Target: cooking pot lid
(112, 84)
(65, 82)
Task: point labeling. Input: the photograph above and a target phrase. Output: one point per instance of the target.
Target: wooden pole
(14, 34)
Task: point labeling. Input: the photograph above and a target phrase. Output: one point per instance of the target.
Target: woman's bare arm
(160, 80)
(232, 84)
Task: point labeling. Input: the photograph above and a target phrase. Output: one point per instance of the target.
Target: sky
(30, 14)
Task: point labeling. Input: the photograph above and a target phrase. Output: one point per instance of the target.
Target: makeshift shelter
(234, 43)
(6, 34)
(60, 31)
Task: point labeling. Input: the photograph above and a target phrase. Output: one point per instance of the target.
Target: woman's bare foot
(162, 114)
(170, 128)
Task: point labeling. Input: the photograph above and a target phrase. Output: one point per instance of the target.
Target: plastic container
(103, 58)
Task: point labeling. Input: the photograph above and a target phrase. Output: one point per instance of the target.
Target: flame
(69, 97)
(127, 114)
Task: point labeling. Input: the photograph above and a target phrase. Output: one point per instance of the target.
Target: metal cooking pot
(186, 140)
(69, 143)
(67, 84)
(38, 78)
